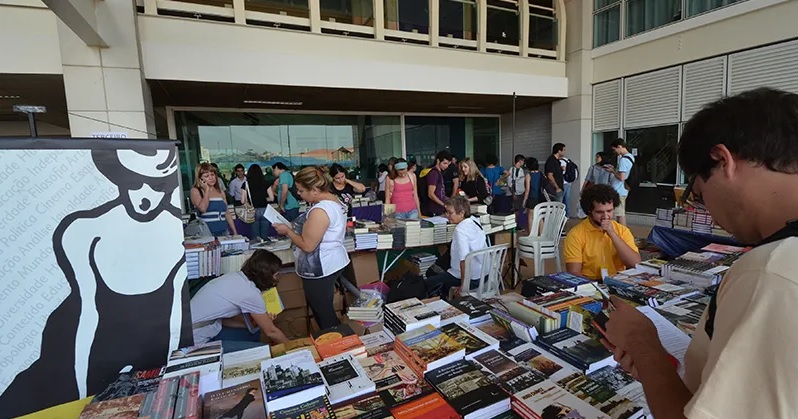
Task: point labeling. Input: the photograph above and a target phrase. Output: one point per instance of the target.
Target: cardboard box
(289, 281)
(293, 322)
(293, 299)
(363, 269)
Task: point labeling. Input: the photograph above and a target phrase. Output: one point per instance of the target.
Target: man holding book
(740, 156)
(599, 246)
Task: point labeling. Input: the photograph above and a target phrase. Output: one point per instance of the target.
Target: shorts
(620, 210)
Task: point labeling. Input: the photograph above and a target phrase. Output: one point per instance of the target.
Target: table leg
(386, 266)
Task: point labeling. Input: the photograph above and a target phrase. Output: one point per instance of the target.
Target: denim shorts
(409, 215)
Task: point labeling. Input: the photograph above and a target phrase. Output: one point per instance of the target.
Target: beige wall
(181, 49)
(773, 21)
(28, 39)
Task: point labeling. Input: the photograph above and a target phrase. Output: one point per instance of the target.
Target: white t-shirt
(468, 237)
(749, 369)
(226, 296)
(381, 180)
(517, 180)
(330, 257)
(235, 188)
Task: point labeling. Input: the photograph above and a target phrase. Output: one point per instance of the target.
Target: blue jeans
(291, 214)
(235, 339)
(566, 198)
(409, 215)
(260, 228)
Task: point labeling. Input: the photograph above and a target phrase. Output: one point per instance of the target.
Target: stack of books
(233, 243)
(449, 314)
(440, 234)
(683, 221)
(206, 359)
(349, 242)
(649, 289)
(273, 244)
(406, 315)
(664, 217)
(583, 353)
(365, 241)
(427, 348)
(477, 311)
(472, 339)
(412, 232)
(384, 239)
(367, 307)
(338, 340)
(203, 257)
(558, 304)
(506, 221)
(427, 237)
(700, 270)
(702, 222)
(291, 380)
(479, 209)
(243, 366)
(450, 232)
(345, 378)
(395, 382)
(423, 261)
(469, 391)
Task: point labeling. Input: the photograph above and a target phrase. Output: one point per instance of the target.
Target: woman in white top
(319, 238)
(217, 307)
(468, 237)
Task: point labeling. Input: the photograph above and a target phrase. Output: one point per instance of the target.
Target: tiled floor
(551, 266)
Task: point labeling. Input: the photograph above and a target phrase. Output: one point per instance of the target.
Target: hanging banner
(92, 268)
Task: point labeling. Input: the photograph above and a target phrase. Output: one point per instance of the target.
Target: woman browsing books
(319, 238)
(401, 191)
(223, 299)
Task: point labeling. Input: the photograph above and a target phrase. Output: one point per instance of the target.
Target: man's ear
(724, 158)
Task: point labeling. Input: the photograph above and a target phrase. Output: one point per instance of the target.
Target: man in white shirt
(740, 156)
(517, 181)
(235, 185)
(619, 176)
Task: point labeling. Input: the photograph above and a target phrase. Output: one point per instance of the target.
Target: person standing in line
(554, 172)
(343, 187)
(235, 185)
(740, 159)
(598, 174)
(382, 178)
(256, 190)
(566, 186)
(318, 236)
(451, 179)
(472, 183)
(436, 191)
(210, 201)
(532, 184)
(619, 176)
(402, 192)
(286, 203)
(219, 178)
(495, 174)
(517, 182)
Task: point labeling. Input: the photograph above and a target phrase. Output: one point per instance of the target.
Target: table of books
(675, 242)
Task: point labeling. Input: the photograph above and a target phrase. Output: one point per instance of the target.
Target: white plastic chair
(490, 281)
(548, 219)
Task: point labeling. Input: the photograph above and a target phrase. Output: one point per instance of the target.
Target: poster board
(92, 267)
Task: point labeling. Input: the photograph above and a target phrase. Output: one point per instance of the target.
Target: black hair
(215, 166)
(557, 148)
(239, 166)
(261, 267)
(255, 179)
(609, 157)
(382, 168)
(759, 126)
(491, 159)
(279, 165)
(601, 194)
(532, 163)
(519, 157)
(336, 168)
(618, 143)
(443, 155)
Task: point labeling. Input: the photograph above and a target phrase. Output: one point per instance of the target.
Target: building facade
(359, 81)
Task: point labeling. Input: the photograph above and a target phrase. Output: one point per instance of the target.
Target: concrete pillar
(572, 117)
(105, 86)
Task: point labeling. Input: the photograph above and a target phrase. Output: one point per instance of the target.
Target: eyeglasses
(691, 198)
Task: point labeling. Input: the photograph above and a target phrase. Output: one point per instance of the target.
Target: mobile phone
(600, 322)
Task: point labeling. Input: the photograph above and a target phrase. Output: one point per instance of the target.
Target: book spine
(165, 399)
(181, 403)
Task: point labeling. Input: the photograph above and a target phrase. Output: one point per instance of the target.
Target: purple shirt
(435, 178)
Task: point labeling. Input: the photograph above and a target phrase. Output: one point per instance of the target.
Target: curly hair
(460, 205)
(261, 267)
(598, 194)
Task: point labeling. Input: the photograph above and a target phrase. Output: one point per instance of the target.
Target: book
(476, 310)
(369, 407)
(429, 348)
(548, 400)
(345, 378)
(472, 339)
(188, 404)
(395, 381)
(291, 379)
(449, 314)
(468, 389)
(580, 351)
(318, 408)
(376, 343)
(122, 407)
(191, 353)
(244, 401)
(243, 366)
(507, 373)
(431, 406)
(163, 402)
(338, 340)
(130, 383)
(294, 346)
(274, 304)
(600, 397)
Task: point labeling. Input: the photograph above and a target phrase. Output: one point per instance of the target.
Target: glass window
(458, 19)
(359, 143)
(407, 15)
(503, 24)
(298, 8)
(607, 24)
(356, 12)
(600, 4)
(642, 15)
(463, 136)
(542, 26)
(655, 152)
(695, 7)
(602, 141)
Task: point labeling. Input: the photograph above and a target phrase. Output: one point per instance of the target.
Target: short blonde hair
(200, 170)
(313, 178)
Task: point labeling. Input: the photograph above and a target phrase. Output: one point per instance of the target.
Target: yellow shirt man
(598, 243)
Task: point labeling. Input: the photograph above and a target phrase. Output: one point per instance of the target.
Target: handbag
(197, 227)
(246, 212)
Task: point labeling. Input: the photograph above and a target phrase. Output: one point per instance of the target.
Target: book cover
(165, 397)
(121, 408)
(465, 387)
(540, 362)
(197, 351)
(506, 373)
(432, 345)
(475, 309)
(130, 383)
(317, 408)
(473, 340)
(244, 401)
(394, 380)
(242, 366)
(274, 304)
(345, 378)
(600, 397)
(376, 343)
(431, 406)
(548, 400)
(336, 341)
(188, 404)
(290, 373)
(449, 314)
(577, 349)
(369, 407)
(294, 346)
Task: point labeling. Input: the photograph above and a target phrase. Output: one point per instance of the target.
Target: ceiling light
(466, 107)
(272, 102)
(9, 97)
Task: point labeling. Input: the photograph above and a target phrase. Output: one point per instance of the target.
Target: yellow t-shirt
(593, 248)
(748, 369)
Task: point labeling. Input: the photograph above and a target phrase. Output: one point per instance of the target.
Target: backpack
(633, 177)
(293, 191)
(421, 186)
(571, 171)
(409, 286)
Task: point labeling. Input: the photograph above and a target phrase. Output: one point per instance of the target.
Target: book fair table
(675, 242)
